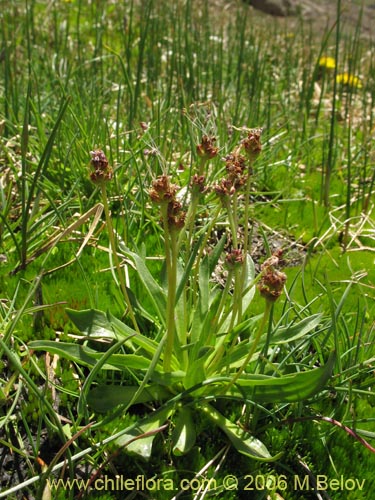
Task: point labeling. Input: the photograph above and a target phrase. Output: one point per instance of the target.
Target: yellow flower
(349, 80)
(327, 62)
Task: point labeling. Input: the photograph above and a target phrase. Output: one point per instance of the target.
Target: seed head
(234, 258)
(162, 190)
(252, 144)
(198, 182)
(206, 149)
(237, 169)
(272, 281)
(102, 171)
(235, 164)
(224, 188)
(176, 217)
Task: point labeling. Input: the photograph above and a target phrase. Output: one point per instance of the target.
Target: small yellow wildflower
(327, 62)
(349, 80)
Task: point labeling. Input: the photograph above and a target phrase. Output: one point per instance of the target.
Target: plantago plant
(208, 344)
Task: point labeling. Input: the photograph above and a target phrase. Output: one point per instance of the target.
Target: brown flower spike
(162, 190)
(176, 217)
(102, 170)
(163, 193)
(224, 188)
(272, 281)
(252, 144)
(235, 258)
(198, 182)
(206, 148)
(237, 169)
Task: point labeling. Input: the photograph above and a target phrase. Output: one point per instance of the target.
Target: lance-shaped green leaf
(206, 299)
(195, 374)
(98, 326)
(282, 335)
(243, 442)
(149, 345)
(184, 433)
(202, 333)
(285, 389)
(246, 297)
(139, 439)
(86, 356)
(186, 274)
(106, 397)
(286, 334)
(93, 323)
(249, 278)
(155, 292)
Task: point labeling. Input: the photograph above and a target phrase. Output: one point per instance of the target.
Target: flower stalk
(163, 193)
(206, 150)
(102, 173)
(254, 346)
(270, 286)
(171, 265)
(253, 147)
